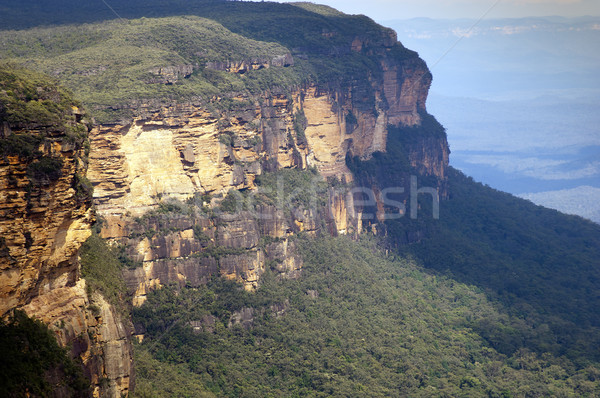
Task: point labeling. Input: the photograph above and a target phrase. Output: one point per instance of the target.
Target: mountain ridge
(234, 217)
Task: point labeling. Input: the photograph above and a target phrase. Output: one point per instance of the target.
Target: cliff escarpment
(199, 149)
(196, 112)
(232, 143)
(45, 216)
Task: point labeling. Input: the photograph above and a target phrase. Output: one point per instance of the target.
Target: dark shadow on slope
(542, 265)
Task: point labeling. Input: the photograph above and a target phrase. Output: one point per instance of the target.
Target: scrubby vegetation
(101, 266)
(31, 100)
(117, 64)
(294, 188)
(33, 364)
(357, 323)
(45, 170)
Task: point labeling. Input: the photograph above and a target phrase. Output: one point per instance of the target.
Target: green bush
(29, 99)
(45, 170)
(32, 362)
(23, 145)
(102, 270)
(300, 124)
(84, 190)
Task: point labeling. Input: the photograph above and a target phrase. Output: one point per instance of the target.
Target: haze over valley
(519, 99)
(214, 199)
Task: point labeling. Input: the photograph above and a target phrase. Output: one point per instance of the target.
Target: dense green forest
(33, 364)
(539, 263)
(365, 323)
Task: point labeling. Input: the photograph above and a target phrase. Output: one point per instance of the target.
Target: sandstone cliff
(185, 150)
(244, 98)
(195, 140)
(45, 216)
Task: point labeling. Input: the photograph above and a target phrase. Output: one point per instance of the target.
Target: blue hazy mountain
(519, 99)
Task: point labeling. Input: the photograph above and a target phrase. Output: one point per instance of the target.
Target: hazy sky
(400, 9)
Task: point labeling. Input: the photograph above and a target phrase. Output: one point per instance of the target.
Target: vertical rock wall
(209, 147)
(45, 216)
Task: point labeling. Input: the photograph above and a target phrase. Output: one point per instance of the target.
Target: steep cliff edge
(204, 147)
(192, 149)
(256, 88)
(45, 216)
(219, 142)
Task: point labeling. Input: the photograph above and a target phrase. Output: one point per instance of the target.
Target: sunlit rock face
(45, 216)
(189, 149)
(42, 224)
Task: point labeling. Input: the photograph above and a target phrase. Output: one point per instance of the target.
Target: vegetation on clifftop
(497, 298)
(118, 64)
(32, 101)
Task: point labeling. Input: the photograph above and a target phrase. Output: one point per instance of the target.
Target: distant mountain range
(519, 100)
(507, 58)
(582, 201)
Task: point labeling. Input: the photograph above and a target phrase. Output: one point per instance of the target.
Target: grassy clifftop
(181, 51)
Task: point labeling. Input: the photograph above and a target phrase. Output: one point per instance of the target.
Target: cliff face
(188, 246)
(189, 149)
(43, 223)
(95, 333)
(164, 175)
(45, 216)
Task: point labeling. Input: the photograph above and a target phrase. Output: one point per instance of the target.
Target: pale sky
(382, 10)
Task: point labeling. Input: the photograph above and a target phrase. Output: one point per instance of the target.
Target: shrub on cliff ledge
(101, 268)
(33, 364)
(25, 146)
(32, 101)
(45, 170)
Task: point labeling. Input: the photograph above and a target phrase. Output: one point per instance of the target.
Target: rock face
(189, 148)
(95, 333)
(45, 216)
(162, 180)
(188, 247)
(42, 225)
(206, 148)
(244, 66)
(430, 156)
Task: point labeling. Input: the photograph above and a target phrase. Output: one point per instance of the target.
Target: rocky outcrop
(205, 148)
(188, 246)
(95, 333)
(45, 216)
(171, 74)
(244, 66)
(406, 86)
(42, 228)
(430, 156)
(42, 224)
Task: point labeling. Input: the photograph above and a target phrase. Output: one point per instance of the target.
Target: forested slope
(247, 101)
(358, 322)
(542, 265)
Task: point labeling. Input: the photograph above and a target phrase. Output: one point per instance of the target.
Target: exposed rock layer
(186, 150)
(44, 219)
